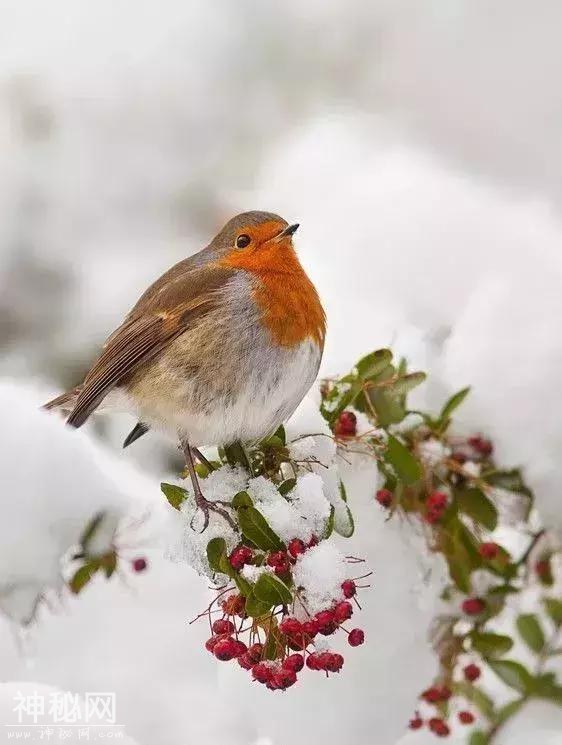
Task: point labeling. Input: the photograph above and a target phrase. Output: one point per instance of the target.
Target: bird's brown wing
(147, 330)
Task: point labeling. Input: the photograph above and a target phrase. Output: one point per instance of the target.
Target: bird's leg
(203, 504)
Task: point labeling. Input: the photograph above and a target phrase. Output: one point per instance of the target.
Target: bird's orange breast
(291, 308)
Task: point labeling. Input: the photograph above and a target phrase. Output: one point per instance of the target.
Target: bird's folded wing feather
(147, 330)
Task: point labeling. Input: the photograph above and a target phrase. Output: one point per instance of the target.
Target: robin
(221, 348)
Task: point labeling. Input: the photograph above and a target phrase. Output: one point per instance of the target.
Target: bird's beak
(287, 232)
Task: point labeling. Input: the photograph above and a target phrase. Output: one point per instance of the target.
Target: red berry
(240, 648)
(298, 642)
(471, 672)
(346, 425)
(262, 672)
(284, 678)
(290, 626)
(294, 662)
(326, 622)
(473, 606)
(343, 611)
(313, 661)
(296, 547)
(139, 564)
(324, 618)
(240, 556)
(356, 637)
(466, 717)
(223, 626)
(310, 628)
(349, 589)
(439, 727)
(437, 500)
(481, 445)
(543, 569)
(431, 695)
(334, 664)
(489, 550)
(312, 542)
(459, 457)
(245, 661)
(445, 693)
(416, 722)
(255, 652)
(279, 561)
(384, 497)
(210, 643)
(225, 649)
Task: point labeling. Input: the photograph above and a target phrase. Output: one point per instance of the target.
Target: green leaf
(343, 522)
(242, 584)
(270, 589)
(174, 494)
(531, 632)
(389, 409)
(513, 674)
(256, 529)
(329, 529)
(275, 644)
(286, 486)
(401, 459)
(476, 505)
(338, 400)
(236, 455)
(242, 499)
(225, 567)
(90, 530)
(374, 363)
(280, 434)
(407, 383)
(478, 738)
(460, 572)
(82, 576)
(109, 564)
(508, 711)
(216, 549)
(452, 404)
(554, 610)
(546, 687)
(512, 481)
(476, 696)
(491, 645)
(256, 608)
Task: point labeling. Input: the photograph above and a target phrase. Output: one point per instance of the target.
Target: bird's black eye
(243, 240)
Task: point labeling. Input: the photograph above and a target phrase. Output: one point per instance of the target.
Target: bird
(220, 349)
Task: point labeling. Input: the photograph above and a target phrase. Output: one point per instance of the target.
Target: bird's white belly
(270, 389)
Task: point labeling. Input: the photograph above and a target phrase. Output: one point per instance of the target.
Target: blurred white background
(419, 144)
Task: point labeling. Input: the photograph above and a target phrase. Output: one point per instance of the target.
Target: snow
(320, 572)
(186, 542)
(53, 484)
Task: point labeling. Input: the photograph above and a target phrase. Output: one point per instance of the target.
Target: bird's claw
(206, 507)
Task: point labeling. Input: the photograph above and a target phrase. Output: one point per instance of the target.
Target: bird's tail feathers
(63, 403)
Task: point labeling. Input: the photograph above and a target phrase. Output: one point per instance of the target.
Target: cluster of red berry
(438, 696)
(435, 504)
(475, 448)
(287, 645)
